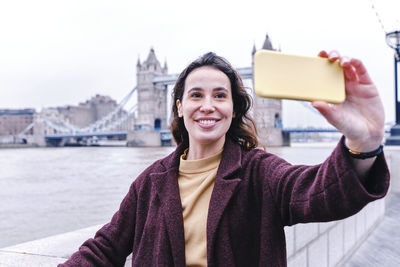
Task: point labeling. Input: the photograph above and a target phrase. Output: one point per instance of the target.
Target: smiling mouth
(207, 122)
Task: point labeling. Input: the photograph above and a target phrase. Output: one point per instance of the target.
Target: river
(47, 191)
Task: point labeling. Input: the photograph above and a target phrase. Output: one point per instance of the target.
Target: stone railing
(330, 244)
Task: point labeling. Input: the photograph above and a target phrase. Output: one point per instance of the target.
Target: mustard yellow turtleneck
(196, 183)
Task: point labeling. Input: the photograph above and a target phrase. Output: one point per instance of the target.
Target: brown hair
(242, 130)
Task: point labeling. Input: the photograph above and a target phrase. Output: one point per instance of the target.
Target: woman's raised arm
(361, 116)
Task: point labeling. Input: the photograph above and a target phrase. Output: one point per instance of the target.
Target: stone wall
(330, 244)
(393, 159)
(144, 138)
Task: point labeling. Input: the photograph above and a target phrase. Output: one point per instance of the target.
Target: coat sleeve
(324, 192)
(113, 242)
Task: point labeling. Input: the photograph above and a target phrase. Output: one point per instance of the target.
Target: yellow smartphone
(278, 75)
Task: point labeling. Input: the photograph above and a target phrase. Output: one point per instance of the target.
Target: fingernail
(345, 61)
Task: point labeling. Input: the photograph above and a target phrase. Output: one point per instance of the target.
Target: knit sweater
(196, 183)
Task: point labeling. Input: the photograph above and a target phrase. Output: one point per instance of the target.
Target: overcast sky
(63, 52)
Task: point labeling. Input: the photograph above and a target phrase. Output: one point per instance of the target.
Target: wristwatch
(362, 155)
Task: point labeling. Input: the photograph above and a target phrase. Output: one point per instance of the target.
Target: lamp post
(393, 40)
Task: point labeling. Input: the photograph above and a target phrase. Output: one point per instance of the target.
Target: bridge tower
(268, 111)
(152, 98)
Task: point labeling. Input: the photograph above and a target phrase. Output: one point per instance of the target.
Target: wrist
(364, 145)
(365, 152)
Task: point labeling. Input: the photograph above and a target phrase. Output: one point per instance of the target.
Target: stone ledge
(48, 251)
(11, 259)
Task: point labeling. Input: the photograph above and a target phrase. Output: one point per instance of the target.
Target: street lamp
(393, 40)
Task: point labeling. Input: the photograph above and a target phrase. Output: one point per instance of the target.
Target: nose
(207, 105)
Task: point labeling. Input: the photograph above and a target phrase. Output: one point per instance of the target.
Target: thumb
(328, 111)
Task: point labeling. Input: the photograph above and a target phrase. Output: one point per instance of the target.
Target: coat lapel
(166, 185)
(226, 183)
(167, 189)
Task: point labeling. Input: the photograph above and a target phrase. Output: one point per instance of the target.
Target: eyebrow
(215, 89)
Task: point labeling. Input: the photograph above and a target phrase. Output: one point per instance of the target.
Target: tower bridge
(151, 123)
(141, 118)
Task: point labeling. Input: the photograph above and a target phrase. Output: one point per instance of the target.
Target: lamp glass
(393, 40)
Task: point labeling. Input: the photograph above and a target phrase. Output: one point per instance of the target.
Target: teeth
(207, 122)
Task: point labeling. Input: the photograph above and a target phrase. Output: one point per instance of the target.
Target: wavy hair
(242, 129)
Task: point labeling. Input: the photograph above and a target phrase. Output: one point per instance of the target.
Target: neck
(204, 150)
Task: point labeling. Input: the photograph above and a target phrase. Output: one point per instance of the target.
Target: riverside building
(14, 121)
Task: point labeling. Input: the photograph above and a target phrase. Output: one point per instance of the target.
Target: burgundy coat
(255, 195)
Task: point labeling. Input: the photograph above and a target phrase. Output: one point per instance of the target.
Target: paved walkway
(382, 247)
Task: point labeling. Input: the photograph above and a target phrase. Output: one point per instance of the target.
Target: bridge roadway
(82, 135)
(56, 139)
(124, 133)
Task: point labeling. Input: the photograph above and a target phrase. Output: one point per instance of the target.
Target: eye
(195, 95)
(220, 95)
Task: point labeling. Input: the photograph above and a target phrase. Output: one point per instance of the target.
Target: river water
(48, 191)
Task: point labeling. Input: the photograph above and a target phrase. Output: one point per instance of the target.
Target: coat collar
(226, 183)
(166, 186)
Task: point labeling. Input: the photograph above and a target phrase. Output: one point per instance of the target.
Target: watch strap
(362, 155)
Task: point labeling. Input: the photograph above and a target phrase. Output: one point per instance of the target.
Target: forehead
(207, 78)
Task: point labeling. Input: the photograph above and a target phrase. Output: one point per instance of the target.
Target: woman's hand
(361, 116)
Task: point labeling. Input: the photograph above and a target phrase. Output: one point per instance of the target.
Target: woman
(219, 201)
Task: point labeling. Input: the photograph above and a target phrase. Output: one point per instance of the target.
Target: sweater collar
(230, 162)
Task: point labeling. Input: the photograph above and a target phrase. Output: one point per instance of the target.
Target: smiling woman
(217, 200)
(213, 84)
(207, 110)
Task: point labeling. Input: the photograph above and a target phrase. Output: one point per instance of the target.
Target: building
(87, 112)
(152, 98)
(151, 122)
(15, 121)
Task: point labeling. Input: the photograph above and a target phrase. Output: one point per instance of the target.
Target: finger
(327, 111)
(333, 55)
(323, 53)
(361, 71)
(344, 61)
(349, 72)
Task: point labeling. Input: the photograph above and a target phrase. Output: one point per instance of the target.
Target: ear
(234, 115)
(179, 107)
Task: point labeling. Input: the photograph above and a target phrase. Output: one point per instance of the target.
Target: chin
(207, 140)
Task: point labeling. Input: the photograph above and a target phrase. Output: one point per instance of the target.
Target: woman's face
(207, 106)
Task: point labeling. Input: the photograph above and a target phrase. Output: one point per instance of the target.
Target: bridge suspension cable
(112, 120)
(27, 128)
(121, 120)
(57, 127)
(109, 116)
(308, 106)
